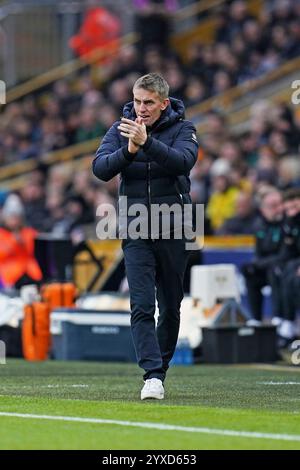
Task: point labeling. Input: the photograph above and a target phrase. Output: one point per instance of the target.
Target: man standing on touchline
(153, 148)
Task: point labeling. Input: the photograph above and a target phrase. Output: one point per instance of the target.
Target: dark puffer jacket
(159, 172)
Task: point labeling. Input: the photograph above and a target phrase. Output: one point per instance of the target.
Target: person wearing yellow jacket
(222, 202)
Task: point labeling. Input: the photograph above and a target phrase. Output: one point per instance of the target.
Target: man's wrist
(137, 145)
(133, 147)
(128, 155)
(147, 143)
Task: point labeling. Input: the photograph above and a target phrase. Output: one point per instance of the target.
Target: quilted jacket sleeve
(111, 158)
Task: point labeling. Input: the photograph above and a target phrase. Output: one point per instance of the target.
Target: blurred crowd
(229, 172)
(230, 168)
(249, 182)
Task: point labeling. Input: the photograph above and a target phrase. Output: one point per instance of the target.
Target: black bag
(13, 340)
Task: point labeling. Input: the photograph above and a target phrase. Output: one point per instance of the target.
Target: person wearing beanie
(18, 266)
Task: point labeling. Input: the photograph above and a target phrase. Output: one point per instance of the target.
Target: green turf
(227, 397)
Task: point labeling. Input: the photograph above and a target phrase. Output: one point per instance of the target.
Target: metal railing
(62, 71)
(35, 34)
(203, 31)
(55, 69)
(225, 100)
(197, 8)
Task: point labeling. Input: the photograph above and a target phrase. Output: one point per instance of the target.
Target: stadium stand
(72, 114)
(233, 67)
(67, 309)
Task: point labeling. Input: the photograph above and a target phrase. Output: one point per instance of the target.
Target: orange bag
(59, 295)
(36, 331)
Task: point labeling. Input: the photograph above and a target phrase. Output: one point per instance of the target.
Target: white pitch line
(162, 427)
(278, 383)
(44, 386)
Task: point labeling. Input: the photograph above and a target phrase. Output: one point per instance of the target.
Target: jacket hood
(174, 112)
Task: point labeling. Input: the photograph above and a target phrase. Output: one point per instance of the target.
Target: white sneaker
(153, 388)
(276, 321)
(253, 322)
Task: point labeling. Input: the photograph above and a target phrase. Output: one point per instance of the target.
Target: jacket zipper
(148, 181)
(149, 193)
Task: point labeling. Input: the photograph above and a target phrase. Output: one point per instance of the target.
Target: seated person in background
(269, 236)
(18, 266)
(288, 268)
(222, 201)
(245, 220)
(290, 291)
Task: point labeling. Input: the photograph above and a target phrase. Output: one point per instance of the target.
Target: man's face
(272, 207)
(13, 222)
(292, 207)
(148, 105)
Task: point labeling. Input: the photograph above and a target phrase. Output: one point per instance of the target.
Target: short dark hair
(291, 194)
(153, 82)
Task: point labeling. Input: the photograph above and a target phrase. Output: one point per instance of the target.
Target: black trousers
(155, 268)
(257, 278)
(290, 290)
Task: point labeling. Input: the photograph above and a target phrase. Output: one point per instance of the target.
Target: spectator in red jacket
(18, 266)
(100, 30)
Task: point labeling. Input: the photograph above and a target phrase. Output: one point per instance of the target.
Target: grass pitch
(207, 407)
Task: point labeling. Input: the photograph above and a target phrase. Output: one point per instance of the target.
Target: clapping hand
(135, 131)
